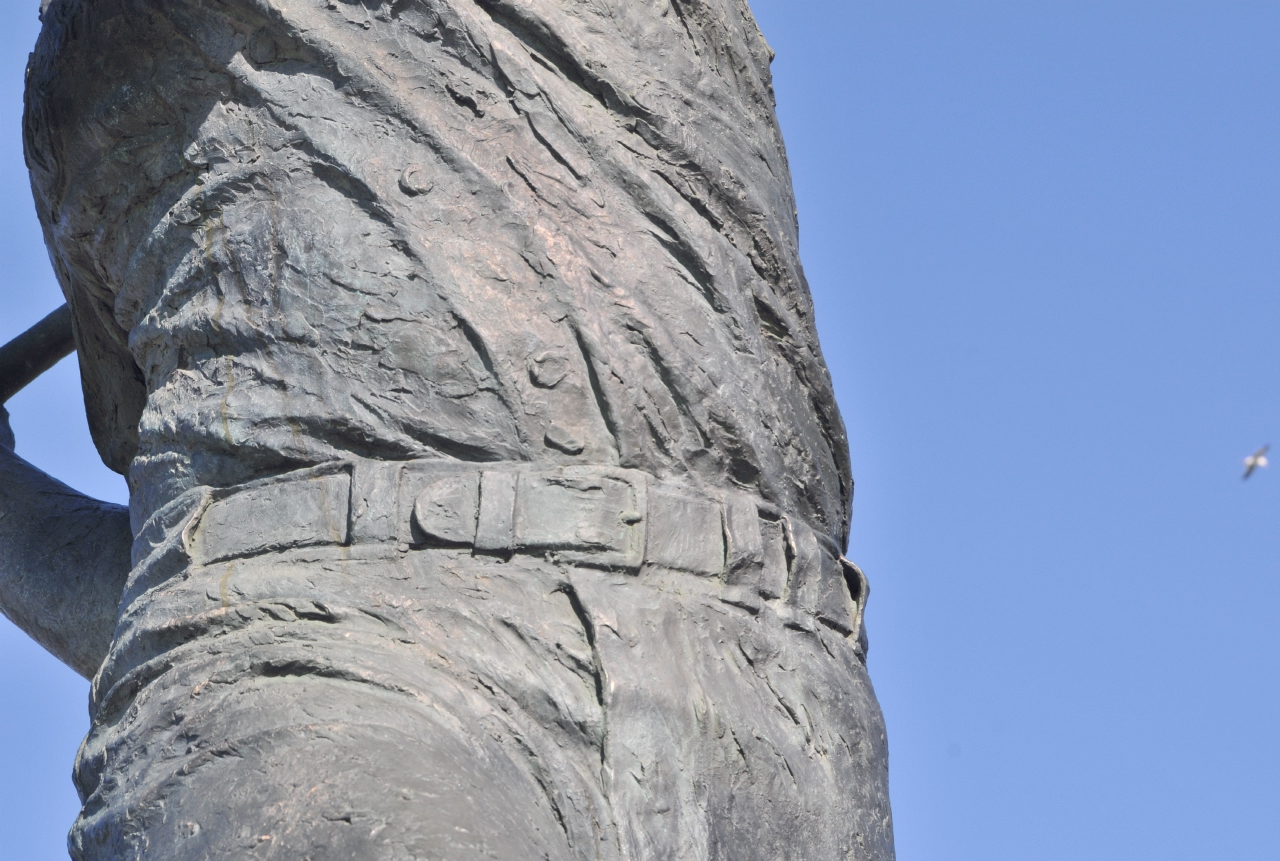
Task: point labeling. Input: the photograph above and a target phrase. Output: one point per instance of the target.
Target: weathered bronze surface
(488, 490)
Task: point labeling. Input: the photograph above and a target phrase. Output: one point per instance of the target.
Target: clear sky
(1042, 241)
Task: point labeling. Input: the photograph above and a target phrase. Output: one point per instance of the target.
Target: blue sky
(1042, 241)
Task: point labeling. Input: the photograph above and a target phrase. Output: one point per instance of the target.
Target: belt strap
(601, 517)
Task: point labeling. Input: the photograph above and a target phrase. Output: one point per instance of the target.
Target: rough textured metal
(487, 481)
(63, 561)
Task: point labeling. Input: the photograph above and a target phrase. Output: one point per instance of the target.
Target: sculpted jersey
(558, 231)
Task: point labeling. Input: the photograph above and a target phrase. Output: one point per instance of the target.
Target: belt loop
(745, 551)
(375, 494)
(495, 530)
(772, 583)
(806, 574)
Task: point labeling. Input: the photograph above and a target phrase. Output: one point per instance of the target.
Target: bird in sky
(1254, 461)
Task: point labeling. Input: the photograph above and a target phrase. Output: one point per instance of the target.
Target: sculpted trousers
(381, 702)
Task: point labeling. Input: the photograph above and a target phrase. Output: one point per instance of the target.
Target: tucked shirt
(558, 231)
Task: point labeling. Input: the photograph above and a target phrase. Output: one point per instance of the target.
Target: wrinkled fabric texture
(298, 231)
(341, 703)
(490, 230)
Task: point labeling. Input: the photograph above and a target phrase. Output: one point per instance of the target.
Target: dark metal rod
(35, 351)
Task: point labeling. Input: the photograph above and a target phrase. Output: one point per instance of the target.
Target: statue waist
(602, 517)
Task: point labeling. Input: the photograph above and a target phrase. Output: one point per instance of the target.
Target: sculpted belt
(601, 517)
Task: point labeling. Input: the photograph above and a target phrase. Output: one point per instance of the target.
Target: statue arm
(64, 558)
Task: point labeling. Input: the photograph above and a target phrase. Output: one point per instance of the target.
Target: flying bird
(1254, 461)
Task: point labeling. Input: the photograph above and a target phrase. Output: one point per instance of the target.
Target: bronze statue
(488, 490)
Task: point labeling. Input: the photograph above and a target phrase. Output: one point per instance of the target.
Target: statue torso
(486, 231)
